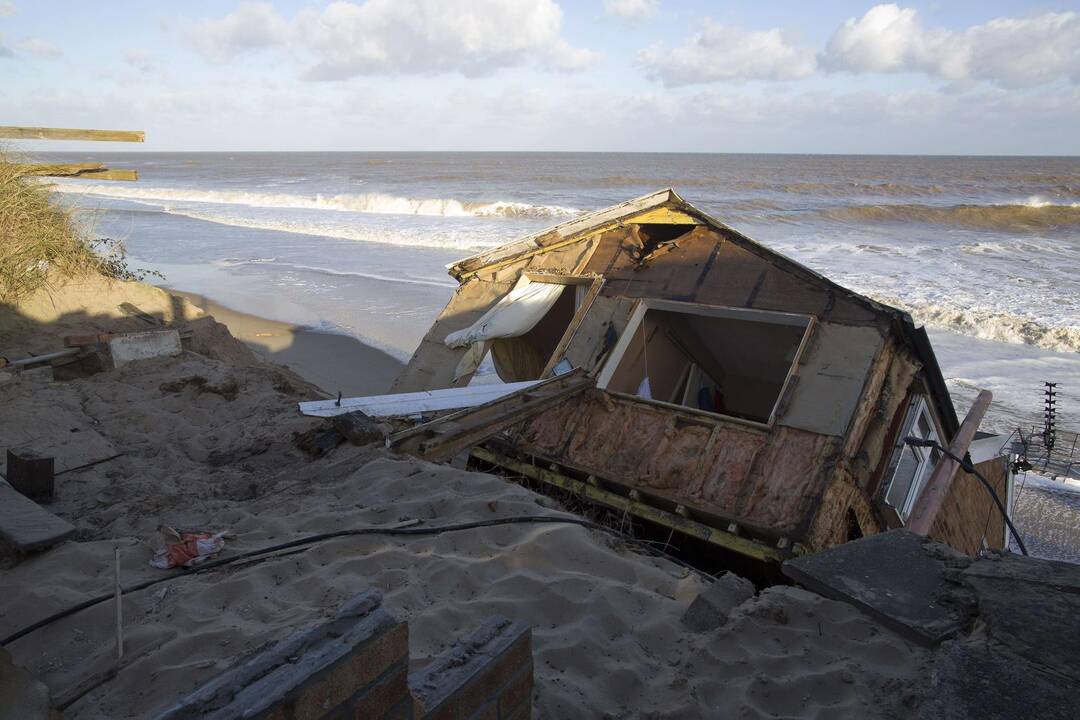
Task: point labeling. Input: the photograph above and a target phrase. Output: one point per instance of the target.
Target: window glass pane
(924, 425)
(906, 471)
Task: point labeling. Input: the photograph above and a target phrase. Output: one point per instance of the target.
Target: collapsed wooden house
(693, 377)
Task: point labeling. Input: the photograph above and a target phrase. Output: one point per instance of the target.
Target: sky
(954, 78)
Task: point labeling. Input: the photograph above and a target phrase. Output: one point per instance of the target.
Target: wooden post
(119, 609)
(933, 493)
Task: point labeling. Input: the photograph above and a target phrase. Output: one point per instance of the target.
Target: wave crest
(375, 203)
(1033, 215)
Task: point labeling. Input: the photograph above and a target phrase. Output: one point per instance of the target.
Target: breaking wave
(376, 203)
(1035, 214)
(990, 325)
(401, 279)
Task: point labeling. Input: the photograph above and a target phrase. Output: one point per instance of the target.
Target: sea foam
(376, 203)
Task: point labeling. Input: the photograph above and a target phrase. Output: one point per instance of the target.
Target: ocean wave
(376, 203)
(990, 325)
(272, 262)
(442, 239)
(1033, 215)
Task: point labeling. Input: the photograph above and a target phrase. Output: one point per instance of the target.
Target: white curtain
(514, 315)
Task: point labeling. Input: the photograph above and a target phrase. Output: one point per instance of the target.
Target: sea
(985, 251)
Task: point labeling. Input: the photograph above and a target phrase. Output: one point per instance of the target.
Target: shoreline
(335, 363)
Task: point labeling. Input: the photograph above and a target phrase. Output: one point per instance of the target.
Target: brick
(379, 699)
(495, 676)
(487, 712)
(517, 692)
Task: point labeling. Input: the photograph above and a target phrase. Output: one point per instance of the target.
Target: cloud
(140, 59)
(349, 39)
(40, 48)
(1008, 52)
(631, 9)
(721, 53)
(7, 9)
(252, 26)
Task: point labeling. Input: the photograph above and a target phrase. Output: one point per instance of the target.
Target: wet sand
(336, 363)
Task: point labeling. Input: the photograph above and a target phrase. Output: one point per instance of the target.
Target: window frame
(637, 316)
(918, 407)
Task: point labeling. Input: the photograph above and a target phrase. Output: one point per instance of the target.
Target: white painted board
(414, 403)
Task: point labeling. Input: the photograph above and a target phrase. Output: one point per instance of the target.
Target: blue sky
(620, 75)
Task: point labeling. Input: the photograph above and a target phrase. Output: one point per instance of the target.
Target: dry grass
(40, 241)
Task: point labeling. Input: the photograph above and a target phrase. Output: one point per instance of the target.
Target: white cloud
(719, 53)
(7, 9)
(252, 26)
(140, 59)
(631, 9)
(1009, 52)
(347, 39)
(40, 48)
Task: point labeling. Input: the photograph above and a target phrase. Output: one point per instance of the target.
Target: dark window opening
(733, 363)
(854, 530)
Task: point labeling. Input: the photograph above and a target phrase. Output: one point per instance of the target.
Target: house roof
(587, 224)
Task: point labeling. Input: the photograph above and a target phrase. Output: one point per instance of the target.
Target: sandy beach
(332, 362)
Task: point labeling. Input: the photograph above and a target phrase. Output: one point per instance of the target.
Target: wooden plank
(83, 171)
(40, 133)
(414, 403)
(572, 328)
(673, 521)
(933, 493)
(445, 437)
(27, 525)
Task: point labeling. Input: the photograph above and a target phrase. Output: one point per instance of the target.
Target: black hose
(968, 467)
(310, 540)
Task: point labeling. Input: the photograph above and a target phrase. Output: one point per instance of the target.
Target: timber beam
(642, 510)
(41, 133)
(86, 171)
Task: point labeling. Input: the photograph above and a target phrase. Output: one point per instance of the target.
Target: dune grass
(41, 241)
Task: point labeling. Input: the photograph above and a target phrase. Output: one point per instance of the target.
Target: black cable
(320, 537)
(968, 467)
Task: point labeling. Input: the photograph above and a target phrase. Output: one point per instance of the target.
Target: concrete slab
(898, 578)
(1031, 609)
(970, 682)
(27, 525)
(144, 346)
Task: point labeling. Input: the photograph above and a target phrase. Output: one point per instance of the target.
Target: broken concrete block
(711, 608)
(144, 345)
(358, 428)
(899, 578)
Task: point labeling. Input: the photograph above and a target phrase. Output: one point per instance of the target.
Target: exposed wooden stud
(692, 528)
(40, 133)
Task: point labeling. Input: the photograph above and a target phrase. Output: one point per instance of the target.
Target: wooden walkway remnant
(9, 132)
(86, 171)
(445, 437)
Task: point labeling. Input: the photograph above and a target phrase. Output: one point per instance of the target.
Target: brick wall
(488, 676)
(357, 666)
(968, 513)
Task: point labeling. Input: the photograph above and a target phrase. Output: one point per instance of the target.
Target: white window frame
(637, 316)
(919, 408)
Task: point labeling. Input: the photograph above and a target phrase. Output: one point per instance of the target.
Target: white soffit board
(414, 403)
(831, 378)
